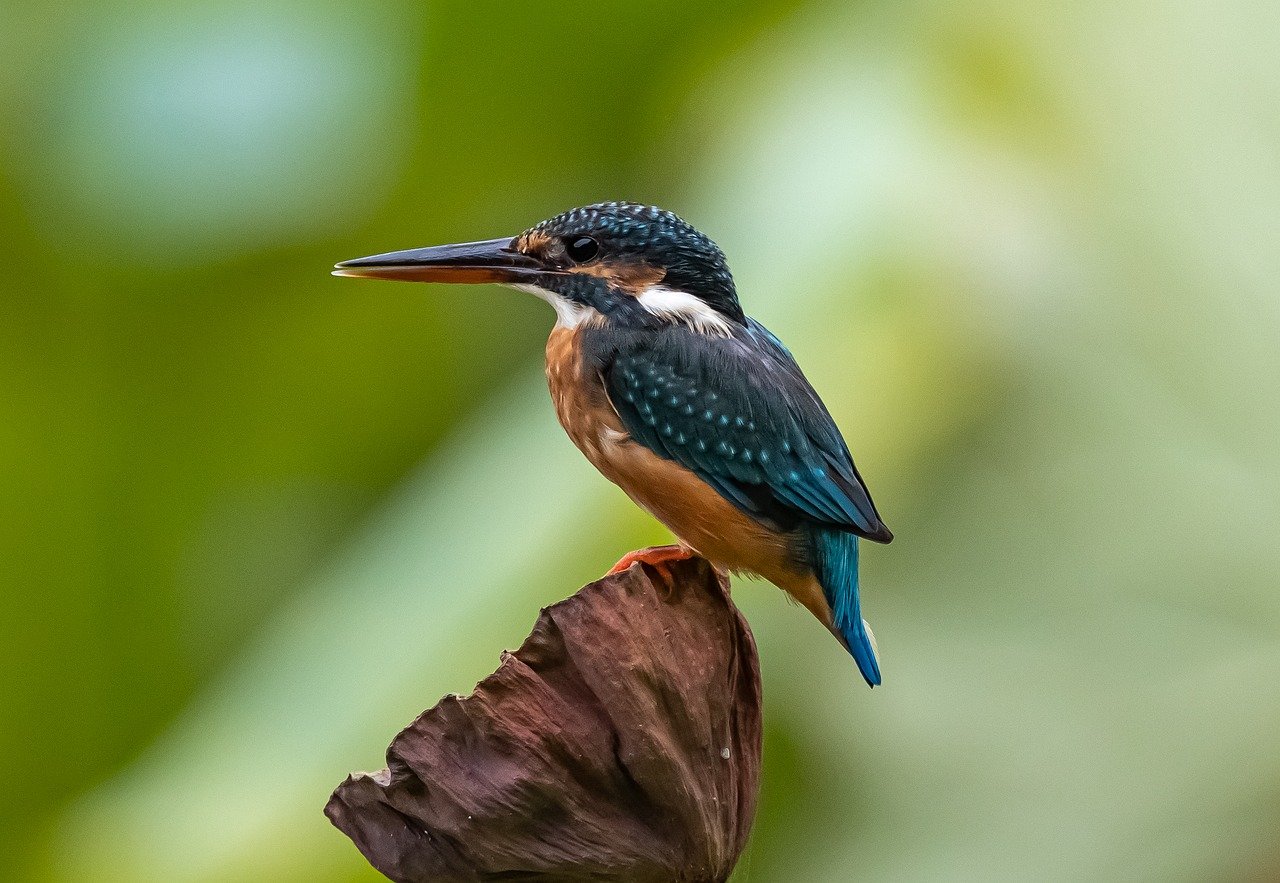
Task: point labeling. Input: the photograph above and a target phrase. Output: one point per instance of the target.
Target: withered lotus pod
(621, 741)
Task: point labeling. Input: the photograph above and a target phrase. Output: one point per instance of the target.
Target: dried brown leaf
(621, 741)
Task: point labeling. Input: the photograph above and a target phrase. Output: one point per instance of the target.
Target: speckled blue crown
(629, 230)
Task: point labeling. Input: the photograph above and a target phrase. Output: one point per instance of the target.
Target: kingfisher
(674, 394)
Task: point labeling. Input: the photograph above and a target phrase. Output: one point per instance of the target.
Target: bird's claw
(656, 557)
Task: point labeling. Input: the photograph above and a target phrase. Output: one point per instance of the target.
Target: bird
(695, 410)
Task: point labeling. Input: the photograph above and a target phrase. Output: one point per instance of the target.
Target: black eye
(581, 249)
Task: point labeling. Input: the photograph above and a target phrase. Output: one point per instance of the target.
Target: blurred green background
(256, 518)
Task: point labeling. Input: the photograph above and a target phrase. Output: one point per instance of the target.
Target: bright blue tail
(837, 571)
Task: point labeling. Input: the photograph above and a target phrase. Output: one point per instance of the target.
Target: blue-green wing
(739, 413)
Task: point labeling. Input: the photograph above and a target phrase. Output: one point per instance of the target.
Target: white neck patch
(666, 303)
(568, 313)
(681, 306)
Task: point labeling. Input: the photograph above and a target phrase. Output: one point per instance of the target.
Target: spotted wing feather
(739, 413)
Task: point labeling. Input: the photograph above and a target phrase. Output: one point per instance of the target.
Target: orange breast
(702, 519)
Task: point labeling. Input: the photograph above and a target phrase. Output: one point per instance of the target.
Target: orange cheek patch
(631, 278)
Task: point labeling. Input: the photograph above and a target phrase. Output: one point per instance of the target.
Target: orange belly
(703, 520)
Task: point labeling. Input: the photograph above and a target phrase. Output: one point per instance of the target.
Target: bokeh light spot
(206, 131)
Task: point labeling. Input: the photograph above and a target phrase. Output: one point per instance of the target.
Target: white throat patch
(667, 303)
(681, 306)
(568, 313)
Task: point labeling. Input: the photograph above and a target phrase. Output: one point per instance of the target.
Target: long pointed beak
(494, 260)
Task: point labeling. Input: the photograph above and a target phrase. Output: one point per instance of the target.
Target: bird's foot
(657, 557)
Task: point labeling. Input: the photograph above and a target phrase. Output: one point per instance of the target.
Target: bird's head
(611, 263)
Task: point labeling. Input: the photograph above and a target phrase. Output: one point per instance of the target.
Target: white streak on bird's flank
(610, 437)
(568, 313)
(681, 306)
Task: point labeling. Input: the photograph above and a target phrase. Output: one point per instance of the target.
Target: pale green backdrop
(255, 518)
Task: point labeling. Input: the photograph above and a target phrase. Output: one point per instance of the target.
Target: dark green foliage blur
(255, 517)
